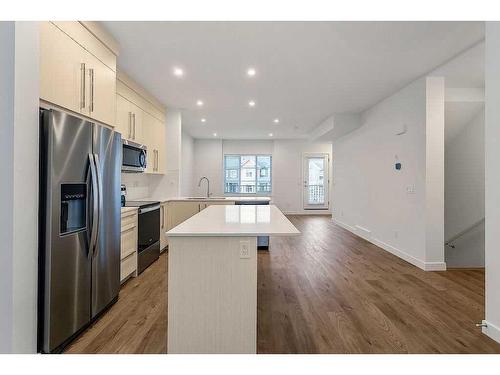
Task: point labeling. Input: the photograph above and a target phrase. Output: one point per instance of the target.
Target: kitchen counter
(234, 221)
(212, 277)
(211, 199)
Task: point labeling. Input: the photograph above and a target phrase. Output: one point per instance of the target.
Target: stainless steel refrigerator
(79, 236)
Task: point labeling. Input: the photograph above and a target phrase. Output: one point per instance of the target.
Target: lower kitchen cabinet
(129, 224)
(179, 211)
(163, 225)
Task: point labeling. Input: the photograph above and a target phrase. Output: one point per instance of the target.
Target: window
(247, 174)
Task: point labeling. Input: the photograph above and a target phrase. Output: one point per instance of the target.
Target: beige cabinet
(128, 256)
(179, 211)
(154, 138)
(123, 117)
(160, 147)
(102, 89)
(72, 77)
(139, 120)
(62, 69)
(163, 225)
(129, 120)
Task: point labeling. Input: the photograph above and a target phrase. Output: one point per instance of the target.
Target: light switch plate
(244, 249)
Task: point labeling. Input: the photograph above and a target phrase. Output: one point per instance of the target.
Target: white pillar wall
(492, 179)
(19, 101)
(434, 174)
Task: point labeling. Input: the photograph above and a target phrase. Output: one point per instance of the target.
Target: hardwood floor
(326, 291)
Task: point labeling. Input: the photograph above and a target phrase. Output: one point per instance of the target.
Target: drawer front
(128, 220)
(128, 242)
(128, 266)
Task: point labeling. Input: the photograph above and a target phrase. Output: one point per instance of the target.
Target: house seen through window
(247, 174)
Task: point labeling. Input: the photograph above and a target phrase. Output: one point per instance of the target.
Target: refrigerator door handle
(95, 206)
(99, 209)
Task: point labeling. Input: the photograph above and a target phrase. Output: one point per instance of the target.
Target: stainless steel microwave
(134, 157)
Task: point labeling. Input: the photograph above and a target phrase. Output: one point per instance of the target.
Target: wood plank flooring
(326, 291)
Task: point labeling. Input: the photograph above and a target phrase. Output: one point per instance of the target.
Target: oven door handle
(149, 209)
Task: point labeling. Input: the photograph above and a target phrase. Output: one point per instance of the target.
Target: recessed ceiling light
(270, 134)
(178, 72)
(251, 72)
(251, 103)
(276, 120)
(215, 134)
(199, 103)
(203, 120)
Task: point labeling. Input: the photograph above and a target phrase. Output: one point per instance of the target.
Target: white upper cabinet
(141, 121)
(73, 74)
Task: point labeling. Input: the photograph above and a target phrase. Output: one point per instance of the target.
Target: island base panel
(212, 295)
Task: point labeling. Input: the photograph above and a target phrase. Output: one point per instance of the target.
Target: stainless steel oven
(134, 157)
(148, 232)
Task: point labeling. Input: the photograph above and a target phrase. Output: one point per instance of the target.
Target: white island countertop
(211, 199)
(236, 221)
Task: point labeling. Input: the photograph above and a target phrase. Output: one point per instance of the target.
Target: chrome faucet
(208, 185)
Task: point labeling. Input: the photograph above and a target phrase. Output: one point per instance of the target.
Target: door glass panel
(316, 181)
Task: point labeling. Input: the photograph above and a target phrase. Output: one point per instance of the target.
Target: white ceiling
(305, 70)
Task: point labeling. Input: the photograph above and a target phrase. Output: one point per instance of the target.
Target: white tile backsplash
(137, 185)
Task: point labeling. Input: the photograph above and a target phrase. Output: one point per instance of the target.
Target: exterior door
(106, 259)
(316, 182)
(65, 197)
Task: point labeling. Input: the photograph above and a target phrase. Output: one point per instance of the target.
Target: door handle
(162, 217)
(99, 200)
(82, 86)
(95, 206)
(91, 72)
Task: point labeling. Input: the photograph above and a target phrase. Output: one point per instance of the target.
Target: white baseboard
(492, 331)
(366, 234)
(311, 212)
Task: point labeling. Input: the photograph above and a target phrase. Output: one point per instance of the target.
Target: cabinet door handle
(82, 86)
(133, 115)
(130, 125)
(156, 153)
(162, 217)
(91, 71)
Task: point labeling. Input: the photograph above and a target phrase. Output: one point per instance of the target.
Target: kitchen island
(212, 277)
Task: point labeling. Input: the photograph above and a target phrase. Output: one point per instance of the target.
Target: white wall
(208, 162)
(492, 178)
(187, 165)
(464, 193)
(287, 179)
(19, 102)
(287, 173)
(370, 196)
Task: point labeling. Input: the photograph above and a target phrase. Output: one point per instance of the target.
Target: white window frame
(256, 194)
